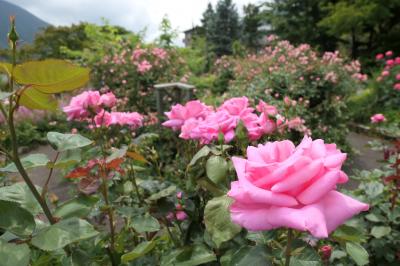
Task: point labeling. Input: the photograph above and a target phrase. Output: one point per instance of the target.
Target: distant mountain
(27, 24)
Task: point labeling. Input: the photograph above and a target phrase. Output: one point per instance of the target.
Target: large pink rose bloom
(179, 113)
(281, 185)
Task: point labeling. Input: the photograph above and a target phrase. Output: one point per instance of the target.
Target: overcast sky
(134, 15)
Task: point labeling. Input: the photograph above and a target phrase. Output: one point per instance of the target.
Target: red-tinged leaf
(78, 172)
(114, 164)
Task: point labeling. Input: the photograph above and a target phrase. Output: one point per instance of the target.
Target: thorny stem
(46, 185)
(287, 250)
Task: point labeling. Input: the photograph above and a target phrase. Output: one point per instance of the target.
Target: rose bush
(322, 83)
(133, 71)
(280, 185)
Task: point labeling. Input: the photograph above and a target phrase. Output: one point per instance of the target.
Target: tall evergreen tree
(251, 26)
(226, 27)
(208, 24)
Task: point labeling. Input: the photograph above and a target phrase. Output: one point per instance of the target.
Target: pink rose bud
(179, 207)
(385, 73)
(398, 76)
(389, 53)
(397, 86)
(377, 118)
(379, 56)
(179, 195)
(326, 252)
(181, 215)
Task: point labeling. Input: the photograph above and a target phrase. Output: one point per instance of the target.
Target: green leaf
(4, 95)
(77, 207)
(357, 253)
(63, 233)
(203, 152)
(51, 76)
(216, 169)
(380, 231)
(34, 99)
(139, 251)
(30, 161)
(15, 219)
(373, 189)
(21, 194)
(63, 142)
(307, 257)
(5, 68)
(188, 256)
(145, 223)
(162, 194)
(254, 256)
(218, 221)
(117, 153)
(348, 233)
(13, 254)
(372, 217)
(66, 159)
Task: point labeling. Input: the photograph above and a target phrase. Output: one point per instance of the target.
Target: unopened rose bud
(326, 252)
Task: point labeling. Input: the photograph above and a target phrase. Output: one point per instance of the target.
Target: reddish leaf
(78, 172)
(114, 164)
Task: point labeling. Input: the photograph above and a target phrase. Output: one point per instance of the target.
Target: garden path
(365, 159)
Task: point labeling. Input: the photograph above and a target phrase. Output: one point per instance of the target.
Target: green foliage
(13, 254)
(360, 27)
(168, 34)
(30, 161)
(15, 219)
(63, 142)
(217, 220)
(217, 169)
(21, 194)
(221, 27)
(63, 233)
(139, 251)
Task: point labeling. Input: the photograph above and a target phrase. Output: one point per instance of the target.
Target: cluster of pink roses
(198, 121)
(280, 185)
(90, 106)
(390, 65)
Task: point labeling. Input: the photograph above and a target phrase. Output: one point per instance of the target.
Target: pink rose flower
(280, 185)
(82, 105)
(269, 110)
(179, 113)
(132, 119)
(385, 73)
(377, 118)
(389, 53)
(398, 76)
(108, 100)
(103, 119)
(379, 56)
(181, 215)
(144, 66)
(397, 86)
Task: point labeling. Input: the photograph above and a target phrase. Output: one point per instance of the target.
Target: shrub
(322, 82)
(133, 72)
